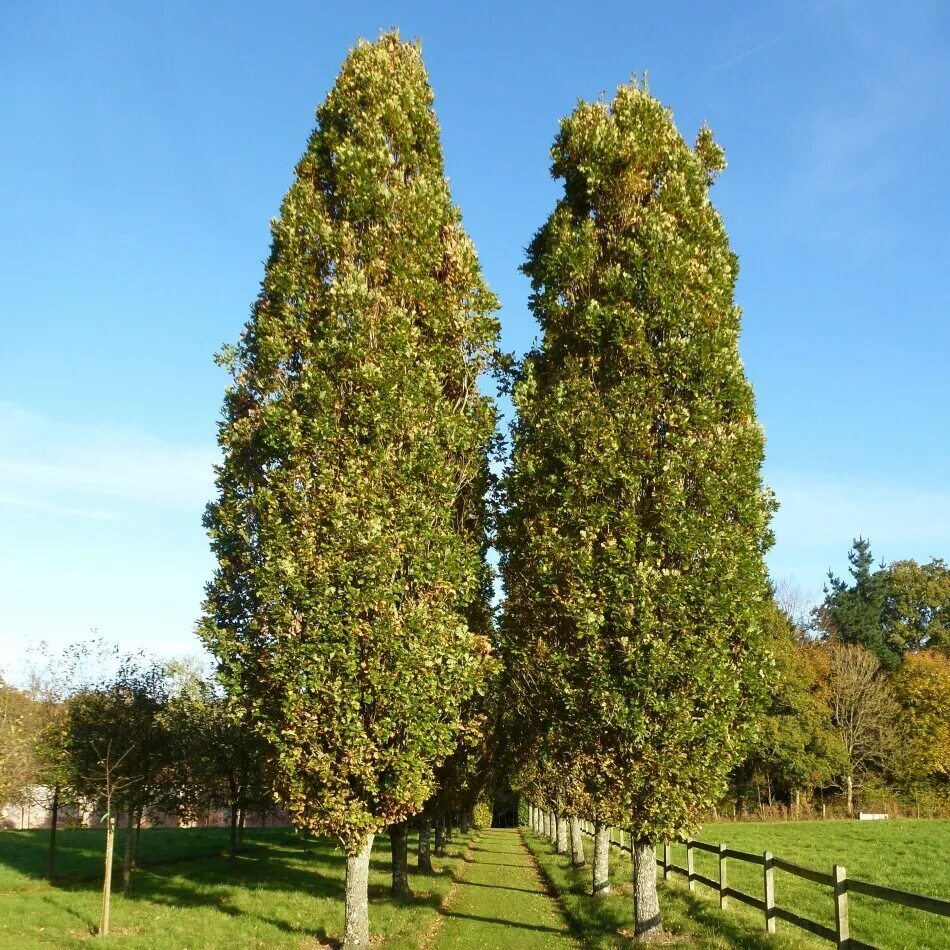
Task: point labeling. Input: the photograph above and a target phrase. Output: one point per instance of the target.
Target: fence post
(689, 864)
(723, 877)
(666, 860)
(768, 873)
(842, 927)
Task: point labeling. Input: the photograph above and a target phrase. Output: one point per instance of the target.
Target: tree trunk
(552, 829)
(400, 862)
(53, 822)
(424, 862)
(107, 878)
(233, 835)
(578, 858)
(138, 836)
(263, 819)
(440, 836)
(646, 903)
(129, 845)
(449, 828)
(601, 881)
(561, 834)
(240, 828)
(849, 792)
(356, 933)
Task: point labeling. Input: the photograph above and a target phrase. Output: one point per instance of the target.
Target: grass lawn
(906, 854)
(501, 901)
(607, 922)
(282, 893)
(910, 855)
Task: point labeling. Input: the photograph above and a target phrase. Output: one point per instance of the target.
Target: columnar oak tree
(353, 433)
(636, 519)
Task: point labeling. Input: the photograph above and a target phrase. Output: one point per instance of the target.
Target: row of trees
(351, 608)
(634, 517)
(153, 738)
(143, 741)
(861, 694)
(350, 611)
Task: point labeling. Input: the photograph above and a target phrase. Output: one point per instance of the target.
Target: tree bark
(53, 822)
(240, 828)
(440, 836)
(107, 878)
(646, 903)
(849, 792)
(424, 862)
(601, 879)
(138, 835)
(561, 834)
(578, 857)
(552, 829)
(356, 932)
(233, 835)
(400, 861)
(129, 845)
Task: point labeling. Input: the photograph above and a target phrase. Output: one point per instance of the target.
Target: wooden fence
(837, 880)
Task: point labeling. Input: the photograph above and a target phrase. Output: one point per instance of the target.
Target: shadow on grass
(285, 866)
(602, 922)
(512, 924)
(712, 918)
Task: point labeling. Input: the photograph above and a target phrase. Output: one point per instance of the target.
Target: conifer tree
(347, 523)
(635, 518)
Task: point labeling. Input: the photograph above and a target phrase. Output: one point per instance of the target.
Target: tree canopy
(636, 518)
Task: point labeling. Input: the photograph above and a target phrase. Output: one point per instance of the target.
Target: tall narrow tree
(636, 518)
(353, 433)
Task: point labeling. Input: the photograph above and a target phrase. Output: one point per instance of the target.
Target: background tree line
(860, 710)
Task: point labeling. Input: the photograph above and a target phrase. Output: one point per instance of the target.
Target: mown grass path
(500, 901)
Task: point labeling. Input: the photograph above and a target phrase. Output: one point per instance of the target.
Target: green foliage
(917, 608)
(19, 724)
(349, 523)
(117, 727)
(482, 814)
(899, 607)
(795, 747)
(635, 519)
(922, 686)
(219, 760)
(854, 613)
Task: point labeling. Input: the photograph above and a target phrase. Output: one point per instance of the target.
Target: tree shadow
(736, 931)
(513, 924)
(500, 887)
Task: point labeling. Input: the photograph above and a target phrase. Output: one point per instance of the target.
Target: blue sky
(145, 147)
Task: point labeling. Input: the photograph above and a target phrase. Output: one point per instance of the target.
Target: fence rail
(837, 880)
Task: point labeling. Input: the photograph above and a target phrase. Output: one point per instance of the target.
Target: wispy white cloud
(65, 511)
(745, 54)
(88, 469)
(853, 138)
